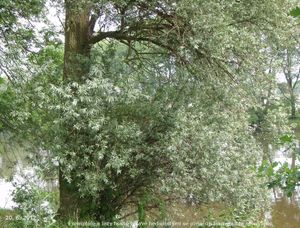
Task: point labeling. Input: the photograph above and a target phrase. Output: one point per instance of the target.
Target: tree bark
(76, 67)
(77, 48)
(293, 106)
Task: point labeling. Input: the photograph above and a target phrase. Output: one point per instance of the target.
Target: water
(286, 211)
(11, 157)
(5, 191)
(285, 214)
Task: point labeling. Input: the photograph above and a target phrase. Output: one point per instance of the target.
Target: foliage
(270, 122)
(13, 18)
(36, 199)
(7, 96)
(283, 175)
(34, 208)
(123, 120)
(129, 119)
(215, 148)
(167, 114)
(295, 12)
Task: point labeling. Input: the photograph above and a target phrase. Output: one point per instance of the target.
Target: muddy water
(286, 214)
(285, 211)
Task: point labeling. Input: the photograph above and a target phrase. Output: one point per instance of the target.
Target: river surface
(285, 212)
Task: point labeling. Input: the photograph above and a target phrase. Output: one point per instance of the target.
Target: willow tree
(120, 128)
(152, 23)
(199, 35)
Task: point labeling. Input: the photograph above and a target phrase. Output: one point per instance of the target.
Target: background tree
(291, 73)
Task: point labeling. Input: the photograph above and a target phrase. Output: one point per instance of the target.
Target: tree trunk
(293, 165)
(76, 67)
(293, 107)
(77, 48)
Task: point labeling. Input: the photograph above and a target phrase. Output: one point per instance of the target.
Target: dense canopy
(145, 101)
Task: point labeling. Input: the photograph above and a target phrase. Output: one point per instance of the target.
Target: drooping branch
(144, 21)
